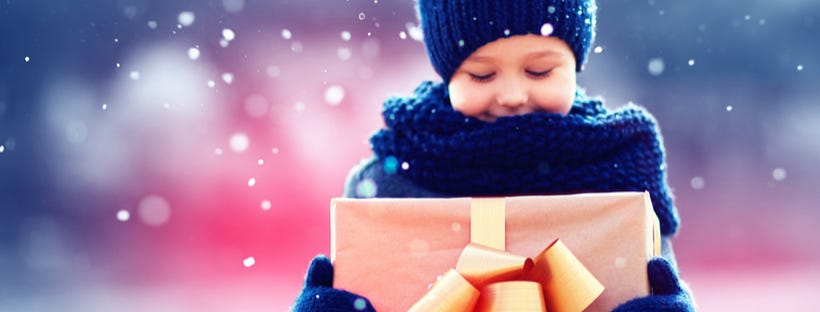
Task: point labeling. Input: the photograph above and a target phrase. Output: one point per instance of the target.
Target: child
(509, 120)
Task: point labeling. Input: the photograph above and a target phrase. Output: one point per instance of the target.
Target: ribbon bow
(486, 278)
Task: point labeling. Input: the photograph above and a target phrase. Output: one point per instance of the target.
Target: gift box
(391, 250)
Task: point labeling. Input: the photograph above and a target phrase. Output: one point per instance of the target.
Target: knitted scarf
(590, 149)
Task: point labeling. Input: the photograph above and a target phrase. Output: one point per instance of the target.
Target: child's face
(515, 76)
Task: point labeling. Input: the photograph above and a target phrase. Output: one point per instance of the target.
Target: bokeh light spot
(239, 142)
(697, 183)
(391, 165)
(546, 29)
(366, 189)
(186, 18)
(249, 262)
(655, 66)
(359, 304)
(334, 95)
(228, 34)
(193, 54)
(123, 215)
(779, 174)
(154, 210)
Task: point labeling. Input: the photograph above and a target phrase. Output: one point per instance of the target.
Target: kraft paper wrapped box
(391, 250)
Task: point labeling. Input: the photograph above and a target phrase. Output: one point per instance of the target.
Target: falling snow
(186, 18)
(260, 162)
(414, 31)
(135, 75)
(26, 59)
(275, 150)
(123, 215)
(799, 67)
(2, 148)
(344, 54)
(228, 34)
(362, 16)
(296, 47)
(152, 24)
(655, 66)
(598, 50)
(239, 142)
(227, 78)
(729, 108)
(273, 71)
(779, 174)
(266, 205)
(249, 262)
(546, 29)
(286, 34)
(334, 95)
(193, 54)
(346, 35)
(154, 210)
(211, 83)
(218, 151)
(360, 304)
(251, 182)
(366, 189)
(390, 164)
(697, 183)
(104, 106)
(691, 62)
(233, 6)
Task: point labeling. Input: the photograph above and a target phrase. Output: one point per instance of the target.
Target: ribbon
(486, 278)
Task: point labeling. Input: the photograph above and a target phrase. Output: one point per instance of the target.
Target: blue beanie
(454, 29)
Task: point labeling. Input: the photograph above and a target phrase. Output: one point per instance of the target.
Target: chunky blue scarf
(590, 149)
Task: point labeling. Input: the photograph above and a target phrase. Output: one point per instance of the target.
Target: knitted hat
(454, 29)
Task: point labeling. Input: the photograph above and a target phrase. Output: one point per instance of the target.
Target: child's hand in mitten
(667, 292)
(318, 293)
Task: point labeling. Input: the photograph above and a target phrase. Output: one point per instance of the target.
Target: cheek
(470, 101)
(555, 98)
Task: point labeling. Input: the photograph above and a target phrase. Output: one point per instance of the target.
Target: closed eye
(538, 74)
(482, 78)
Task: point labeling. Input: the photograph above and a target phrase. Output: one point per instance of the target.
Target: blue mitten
(667, 291)
(318, 293)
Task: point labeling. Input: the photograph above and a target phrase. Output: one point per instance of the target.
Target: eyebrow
(531, 55)
(542, 53)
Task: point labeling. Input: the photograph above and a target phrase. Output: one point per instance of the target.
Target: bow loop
(487, 279)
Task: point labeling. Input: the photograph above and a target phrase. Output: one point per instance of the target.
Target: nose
(512, 93)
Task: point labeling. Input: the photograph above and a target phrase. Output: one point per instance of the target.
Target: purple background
(103, 110)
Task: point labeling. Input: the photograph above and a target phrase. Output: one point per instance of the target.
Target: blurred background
(181, 155)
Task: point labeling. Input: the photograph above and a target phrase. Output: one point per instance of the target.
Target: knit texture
(318, 294)
(589, 150)
(668, 293)
(454, 29)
